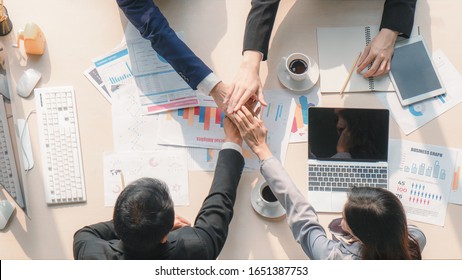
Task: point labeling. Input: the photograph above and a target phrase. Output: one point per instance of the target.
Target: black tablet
(413, 73)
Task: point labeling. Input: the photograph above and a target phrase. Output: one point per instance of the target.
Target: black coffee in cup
(267, 194)
(298, 66)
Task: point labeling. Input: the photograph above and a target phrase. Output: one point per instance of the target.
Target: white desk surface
(78, 31)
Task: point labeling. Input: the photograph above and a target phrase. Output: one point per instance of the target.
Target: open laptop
(346, 147)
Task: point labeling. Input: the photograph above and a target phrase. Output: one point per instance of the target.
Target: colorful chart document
(203, 126)
(299, 129)
(456, 188)
(421, 177)
(122, 168)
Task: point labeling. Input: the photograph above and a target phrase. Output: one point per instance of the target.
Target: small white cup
(297, 65)
(266, 198)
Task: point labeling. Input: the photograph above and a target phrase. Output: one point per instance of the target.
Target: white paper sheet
(299, 129)
(421, 177)
(133, 131)
(161, 87)
(414, 116)
(122, 168)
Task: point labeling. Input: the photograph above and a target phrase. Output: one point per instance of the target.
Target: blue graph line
(304, 104)
(202, 115)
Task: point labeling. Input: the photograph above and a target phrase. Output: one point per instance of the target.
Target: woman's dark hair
(143, 214)
(377, 218)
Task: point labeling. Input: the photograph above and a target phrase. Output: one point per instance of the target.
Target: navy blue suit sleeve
(153, 26)
(213, 219)
(398, 15)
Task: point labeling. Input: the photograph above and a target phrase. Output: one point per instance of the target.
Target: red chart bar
(218, 116)
(191, 116)
(186, 113)
(207, 118)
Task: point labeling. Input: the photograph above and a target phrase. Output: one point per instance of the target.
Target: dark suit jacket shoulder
(398, 15)
(153, 26)
(203, 241)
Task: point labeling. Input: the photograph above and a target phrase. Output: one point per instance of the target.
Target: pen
(351, 72)
(122, 179)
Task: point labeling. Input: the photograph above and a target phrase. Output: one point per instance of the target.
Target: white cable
(20, 140)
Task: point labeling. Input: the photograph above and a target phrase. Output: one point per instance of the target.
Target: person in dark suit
(144, 224)
(153, 26)
(397, 19)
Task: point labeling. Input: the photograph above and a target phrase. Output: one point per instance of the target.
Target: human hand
(379, 53)
(219, 93)
(253, 131)
(247, 83)
(231, 132)
(180, 222)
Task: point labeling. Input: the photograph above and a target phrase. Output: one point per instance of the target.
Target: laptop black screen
(349, 134)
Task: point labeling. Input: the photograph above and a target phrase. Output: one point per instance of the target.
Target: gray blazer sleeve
(301, 215)
(304, 222)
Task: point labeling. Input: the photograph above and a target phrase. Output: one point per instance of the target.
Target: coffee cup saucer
(303, 85)
(265, 210)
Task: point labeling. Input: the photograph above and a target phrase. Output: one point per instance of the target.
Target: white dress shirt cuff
(232, 145)
(208, 83)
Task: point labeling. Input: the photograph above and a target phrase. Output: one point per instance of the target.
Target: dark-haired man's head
(144, 214)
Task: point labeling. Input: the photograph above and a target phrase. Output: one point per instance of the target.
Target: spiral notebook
(338, 48)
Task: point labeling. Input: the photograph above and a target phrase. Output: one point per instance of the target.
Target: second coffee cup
(297, 65)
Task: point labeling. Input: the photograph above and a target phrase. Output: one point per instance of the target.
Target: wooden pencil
(351, 72)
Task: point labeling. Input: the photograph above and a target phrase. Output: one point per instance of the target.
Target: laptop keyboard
(338, 178)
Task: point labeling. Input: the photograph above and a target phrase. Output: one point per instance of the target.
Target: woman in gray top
(374, 218)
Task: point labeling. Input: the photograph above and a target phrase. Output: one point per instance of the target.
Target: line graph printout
(421, 177)
(414, 116)
(161, 87)
(278, 117)
(299, 129)
(131, 129)
(170, 166)
(203, 126)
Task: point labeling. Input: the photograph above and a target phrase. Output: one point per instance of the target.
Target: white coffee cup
(297, 65)
(266, 197)
(264, 202)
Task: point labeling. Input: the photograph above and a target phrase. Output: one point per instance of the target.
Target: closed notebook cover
(338, 48)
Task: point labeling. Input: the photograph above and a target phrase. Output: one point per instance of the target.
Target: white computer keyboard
(60, 145)
(9, 178)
